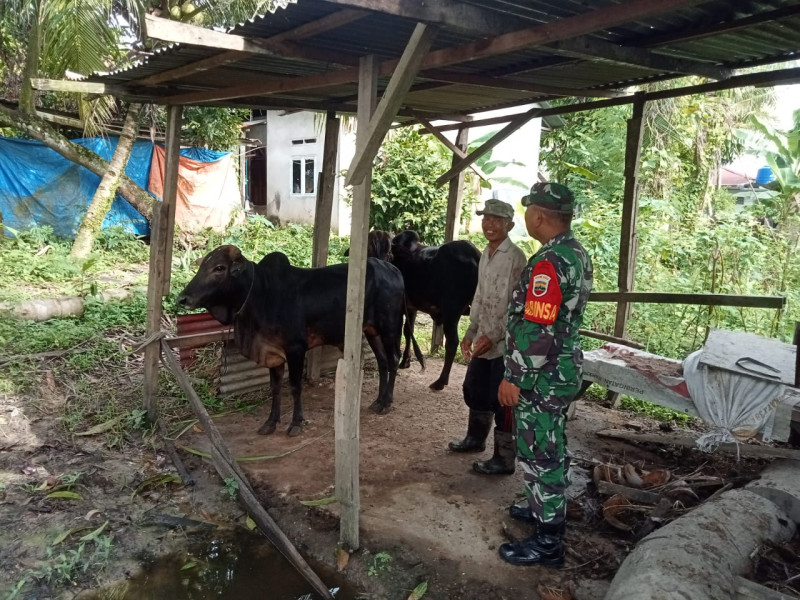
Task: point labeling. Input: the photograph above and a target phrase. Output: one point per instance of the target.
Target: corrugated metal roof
(715, 33)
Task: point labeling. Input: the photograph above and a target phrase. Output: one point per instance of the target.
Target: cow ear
(199, 261)
(238, 265)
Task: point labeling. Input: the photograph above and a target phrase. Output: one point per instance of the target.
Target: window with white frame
(303, 168)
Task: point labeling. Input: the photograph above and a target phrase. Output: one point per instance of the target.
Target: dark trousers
(480, 390)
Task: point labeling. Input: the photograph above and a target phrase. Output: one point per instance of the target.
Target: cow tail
(414, 344)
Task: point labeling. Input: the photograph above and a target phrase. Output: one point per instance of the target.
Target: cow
(280, 311)
(439, 281)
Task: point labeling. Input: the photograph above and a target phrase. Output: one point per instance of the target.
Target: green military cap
(552, 196)
(498, 208)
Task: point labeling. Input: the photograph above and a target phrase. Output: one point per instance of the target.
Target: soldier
(498, 272)
(543, 362)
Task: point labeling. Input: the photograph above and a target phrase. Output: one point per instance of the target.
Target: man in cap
(484, 342)
(543, 364)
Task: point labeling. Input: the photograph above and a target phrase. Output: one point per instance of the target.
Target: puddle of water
(236, 566)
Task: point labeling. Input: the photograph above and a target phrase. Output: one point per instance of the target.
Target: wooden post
(172, 155)
(322, 217)
(630, 207)
(348, 387)
(455, 193)
(162, 230)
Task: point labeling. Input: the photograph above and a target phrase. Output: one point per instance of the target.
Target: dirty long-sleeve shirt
(497, 276)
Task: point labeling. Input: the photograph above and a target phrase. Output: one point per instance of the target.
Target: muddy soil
(421, 506)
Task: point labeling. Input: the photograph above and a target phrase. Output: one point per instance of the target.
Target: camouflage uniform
(544, 359)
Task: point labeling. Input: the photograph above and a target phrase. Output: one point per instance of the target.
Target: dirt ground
(421, 505)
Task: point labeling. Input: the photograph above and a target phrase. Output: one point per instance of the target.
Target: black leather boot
(545, 547)
(478, 428)
(503, 460)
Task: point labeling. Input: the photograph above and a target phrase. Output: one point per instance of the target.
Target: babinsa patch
(543, 298)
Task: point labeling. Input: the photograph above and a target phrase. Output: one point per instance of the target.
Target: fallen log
(699, 555)
(43, 309)
(686, 441)
(228, 469)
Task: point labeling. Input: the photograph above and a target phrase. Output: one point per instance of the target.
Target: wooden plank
(155, 284)
(765, 78)
(393, 97)
(80, 87)
(198, 340)
(322, 218)
(319, 26)
(176, 32)
(498, 137)
(589, 48)
(611, 338)
(796, 342)
(685, 441)
(695, 299)
(172, 155)
(205, 64)
(348, 397)
(228, 469)
(630, 210)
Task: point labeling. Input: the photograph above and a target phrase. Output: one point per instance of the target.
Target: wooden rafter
(510, 42)
(81, 87)
(452, 14)
(585, 47)
(448, 144)
(498, 137)
(511, 84)
(392, 98)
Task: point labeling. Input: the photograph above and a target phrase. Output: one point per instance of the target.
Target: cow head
(220, 285)
(408, 239)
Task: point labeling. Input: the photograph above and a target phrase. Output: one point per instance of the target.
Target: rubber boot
(521, 512)
(545, 547)
(478, 428)
(503, 460)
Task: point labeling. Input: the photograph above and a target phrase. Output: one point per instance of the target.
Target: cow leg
(296, 358)
(275, 380)
(384, 400)
(450, 327)
(408, 330)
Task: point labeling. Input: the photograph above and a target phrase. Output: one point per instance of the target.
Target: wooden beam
(155, 284)
(80, 87)
(319, 26)
(172, 155)
(561, 29)
(452, 14)
(322, 217)
(630, 209)
(511, 84)
(694, 299)
(228, 468)
(402, 78)
(764, 78)
(206, 64)
(454, 148)
(687, 441)
(348, 373)
(585, 47)
(610, 338)
(498, 137)
(176, 32)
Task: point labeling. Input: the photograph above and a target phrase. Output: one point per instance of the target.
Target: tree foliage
(691, 237)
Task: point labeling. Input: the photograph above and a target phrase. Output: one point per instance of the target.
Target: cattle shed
(416, 62)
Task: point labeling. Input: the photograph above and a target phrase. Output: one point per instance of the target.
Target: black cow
(281, 311)
(440, 281)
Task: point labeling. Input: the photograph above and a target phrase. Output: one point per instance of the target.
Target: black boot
(545, 547)
(478, 427)
(503, 460)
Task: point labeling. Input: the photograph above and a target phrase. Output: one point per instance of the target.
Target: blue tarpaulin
(40, 187)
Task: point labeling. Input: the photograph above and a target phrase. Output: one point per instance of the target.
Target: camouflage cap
(552, 196)
(498, 208)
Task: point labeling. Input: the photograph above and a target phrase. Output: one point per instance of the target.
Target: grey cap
(498, 208)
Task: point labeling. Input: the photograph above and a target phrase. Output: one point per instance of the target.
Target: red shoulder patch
(544, 294)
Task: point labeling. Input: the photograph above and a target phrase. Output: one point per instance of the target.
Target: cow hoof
(294, 431)
(404, 364)
(267, 428)
(380, 409)
(437, 385)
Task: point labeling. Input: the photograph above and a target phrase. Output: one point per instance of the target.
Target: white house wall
(290, 207)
